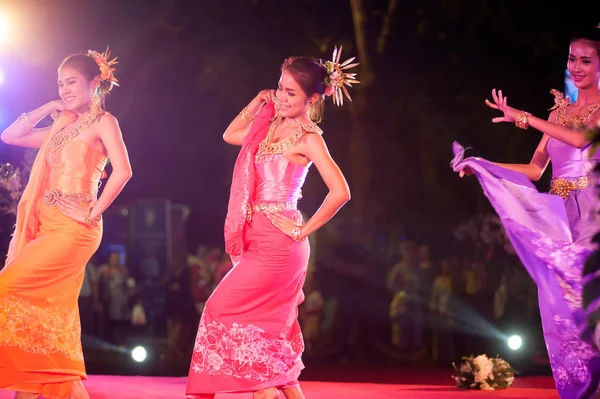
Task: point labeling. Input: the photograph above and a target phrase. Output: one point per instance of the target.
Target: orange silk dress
(40, 333)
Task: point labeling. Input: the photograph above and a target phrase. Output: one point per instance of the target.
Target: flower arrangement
(484, 230)
(12, 184)
(13, 181)
(483, 373)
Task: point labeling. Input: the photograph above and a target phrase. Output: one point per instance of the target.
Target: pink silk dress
(249, 337)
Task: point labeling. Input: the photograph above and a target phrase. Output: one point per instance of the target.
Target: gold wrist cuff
(522, 121)
(247, 116)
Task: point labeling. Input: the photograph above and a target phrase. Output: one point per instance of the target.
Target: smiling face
(584, 64)
(74, 89)
(292, 100)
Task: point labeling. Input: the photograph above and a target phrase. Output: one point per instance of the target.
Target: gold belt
(563, 187)
(51, 196)
(271, 207)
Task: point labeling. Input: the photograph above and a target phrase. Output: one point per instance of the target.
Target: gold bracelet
(297, 234)
(522, 120)
(88, 216)
(247, 116)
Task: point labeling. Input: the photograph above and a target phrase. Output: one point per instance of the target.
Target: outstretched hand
(500, 103)
(467, 171)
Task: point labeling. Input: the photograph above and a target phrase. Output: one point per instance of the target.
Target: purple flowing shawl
(538, 227)
(243, 183)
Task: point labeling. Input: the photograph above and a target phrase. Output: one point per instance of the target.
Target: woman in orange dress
(249, 343)
(58, 229)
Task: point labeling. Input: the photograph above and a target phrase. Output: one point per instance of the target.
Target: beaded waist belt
(563, 187)
(51, 196)
(271, 207)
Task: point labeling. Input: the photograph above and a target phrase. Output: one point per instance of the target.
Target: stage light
(139, 354)
(3, 29)
(515, 342)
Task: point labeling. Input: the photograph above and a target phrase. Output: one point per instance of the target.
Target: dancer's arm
(540, 160)
(112, 139)
(538, 164)
(315, 149)
(22, 133)
(240, 126)
(572, 137)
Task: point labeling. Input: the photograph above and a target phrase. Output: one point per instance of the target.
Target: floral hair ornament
(337, 80)
(106, 65)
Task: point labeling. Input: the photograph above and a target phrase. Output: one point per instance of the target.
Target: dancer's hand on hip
(283, 223)
(72, 209)
(500, 103)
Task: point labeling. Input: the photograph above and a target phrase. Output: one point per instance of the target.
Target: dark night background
(188, 67)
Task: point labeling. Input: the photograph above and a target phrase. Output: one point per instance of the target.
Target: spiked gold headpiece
(106, 65)
(337, 80)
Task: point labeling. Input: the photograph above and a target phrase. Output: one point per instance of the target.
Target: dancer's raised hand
(500, 103)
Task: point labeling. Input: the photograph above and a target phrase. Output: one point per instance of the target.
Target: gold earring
(95, 106)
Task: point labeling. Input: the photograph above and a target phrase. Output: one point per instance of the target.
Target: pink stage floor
(425, 385)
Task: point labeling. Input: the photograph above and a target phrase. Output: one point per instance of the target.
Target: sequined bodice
(279, 179)
(569, 162)
(75, 167)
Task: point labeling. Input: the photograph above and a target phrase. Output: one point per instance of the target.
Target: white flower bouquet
(484, 231)
(13, 180)
(12, 184)
(483, 373)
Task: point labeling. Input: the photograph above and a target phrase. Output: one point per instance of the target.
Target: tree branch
(359, 17)
(386, 27)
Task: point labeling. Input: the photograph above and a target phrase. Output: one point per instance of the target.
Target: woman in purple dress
(552, 232)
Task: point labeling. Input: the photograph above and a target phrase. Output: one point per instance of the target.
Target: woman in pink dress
(249, 343)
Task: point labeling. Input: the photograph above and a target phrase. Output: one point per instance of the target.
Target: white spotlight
(139, 354)
(3, 29)
(515, 342)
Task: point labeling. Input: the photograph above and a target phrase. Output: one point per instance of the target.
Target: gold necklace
(58, 140)
(267, 147)
(576, 121)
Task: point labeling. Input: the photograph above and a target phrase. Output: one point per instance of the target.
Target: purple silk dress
(551, 235)
(569, 162)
